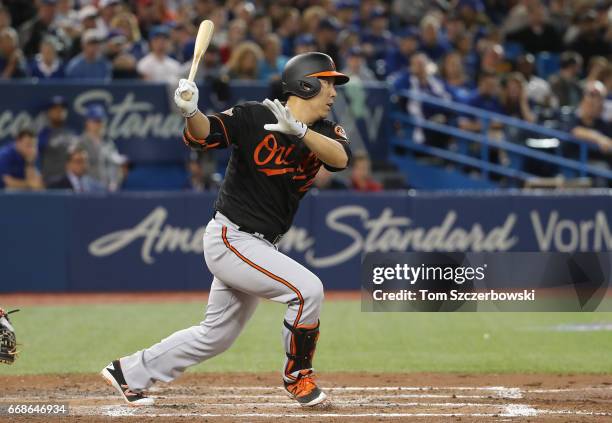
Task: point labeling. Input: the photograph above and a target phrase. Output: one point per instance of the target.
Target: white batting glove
(286, 124)
(188, 107)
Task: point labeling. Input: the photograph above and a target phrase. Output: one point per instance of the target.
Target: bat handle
(186, 95)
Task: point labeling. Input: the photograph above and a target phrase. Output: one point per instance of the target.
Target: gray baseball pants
(245, 268)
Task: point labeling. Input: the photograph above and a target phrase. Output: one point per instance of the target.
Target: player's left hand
(286, 124)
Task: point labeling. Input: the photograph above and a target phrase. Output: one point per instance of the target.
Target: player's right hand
(187, 107)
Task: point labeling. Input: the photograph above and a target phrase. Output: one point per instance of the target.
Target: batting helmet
(300, 76)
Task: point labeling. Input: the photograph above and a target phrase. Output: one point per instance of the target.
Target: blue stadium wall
(59, 242)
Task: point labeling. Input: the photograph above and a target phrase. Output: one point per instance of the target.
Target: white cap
(106, 3)
(88, 12)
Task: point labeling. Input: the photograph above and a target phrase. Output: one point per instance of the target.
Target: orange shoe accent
(303, 386)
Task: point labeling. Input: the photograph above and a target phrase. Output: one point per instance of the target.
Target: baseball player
(277, 149)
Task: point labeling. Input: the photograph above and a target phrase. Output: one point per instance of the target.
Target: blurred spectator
(487, 98)
(469, 57)
(151, 13)
(117, 52)
(203, 9)
(12, 62)
(244, 10)
(492, 59)
(356, 67)
(560, 14)
(260, 28)
(326, 180)
(88, 19)
(46, 64)
(54, 139)
(588, 124)
(514, 100)
(538, 90)
(311, 17)
(236, 34)
(127, 24)
(432, 43)
(91, 63)
(108, 9)
(5, 18)
(34, 30)
(288, 29)
(517, 16)
(361, 174)
(67, 18)
(198, 180)
(326, 36)
(18, 163)
(399, 55)
(305, 44)
(182, 43)
(346, 12)
(454, 29)
(411, 12)
(591, 39)
(243, 63)
(472, 14)
(565, 85)
(420, 79)
(454, 77)
(606, 78)
(273, 62)
(537, 34)
(596, 65)
(377, 40)
(157, 65)
(350, 38)
(76, 173)
(211, 66)
(105, 161)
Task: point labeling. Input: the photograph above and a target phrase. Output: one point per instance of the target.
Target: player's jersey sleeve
(337, 132)
(226, 128)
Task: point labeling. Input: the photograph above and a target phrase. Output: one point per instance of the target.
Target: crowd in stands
(543, 61)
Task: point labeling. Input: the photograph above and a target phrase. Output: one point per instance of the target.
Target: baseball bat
(205, 33)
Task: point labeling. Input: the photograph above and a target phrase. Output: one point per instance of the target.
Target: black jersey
(268, 172)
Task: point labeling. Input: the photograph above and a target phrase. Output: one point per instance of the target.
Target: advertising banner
(153, 241)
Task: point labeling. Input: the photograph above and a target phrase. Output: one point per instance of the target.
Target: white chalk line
(166, 391)
(500, 391)
(347, 404)
(509, 411)
(204, 396)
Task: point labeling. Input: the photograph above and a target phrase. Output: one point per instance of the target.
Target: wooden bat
(205, 33)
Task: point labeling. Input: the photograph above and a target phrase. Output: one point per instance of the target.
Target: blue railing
(581, 166)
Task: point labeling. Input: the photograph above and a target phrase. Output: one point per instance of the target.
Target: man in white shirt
(157, 65)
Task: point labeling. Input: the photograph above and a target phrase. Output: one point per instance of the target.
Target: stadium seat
(156, 177)
(513, 50)
(547, 64)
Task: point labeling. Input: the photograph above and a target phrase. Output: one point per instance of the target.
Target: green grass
(84, 338)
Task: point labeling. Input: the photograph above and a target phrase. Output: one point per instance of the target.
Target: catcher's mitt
(8, 342)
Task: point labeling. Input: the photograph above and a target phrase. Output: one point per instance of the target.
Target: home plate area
(366, 397)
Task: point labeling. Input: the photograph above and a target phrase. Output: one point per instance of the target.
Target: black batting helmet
(301, 73)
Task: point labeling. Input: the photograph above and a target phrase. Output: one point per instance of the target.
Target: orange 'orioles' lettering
(269, 153)
(271, 150)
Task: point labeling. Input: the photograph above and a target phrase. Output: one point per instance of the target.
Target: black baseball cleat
(305, 391)
(113, 375)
